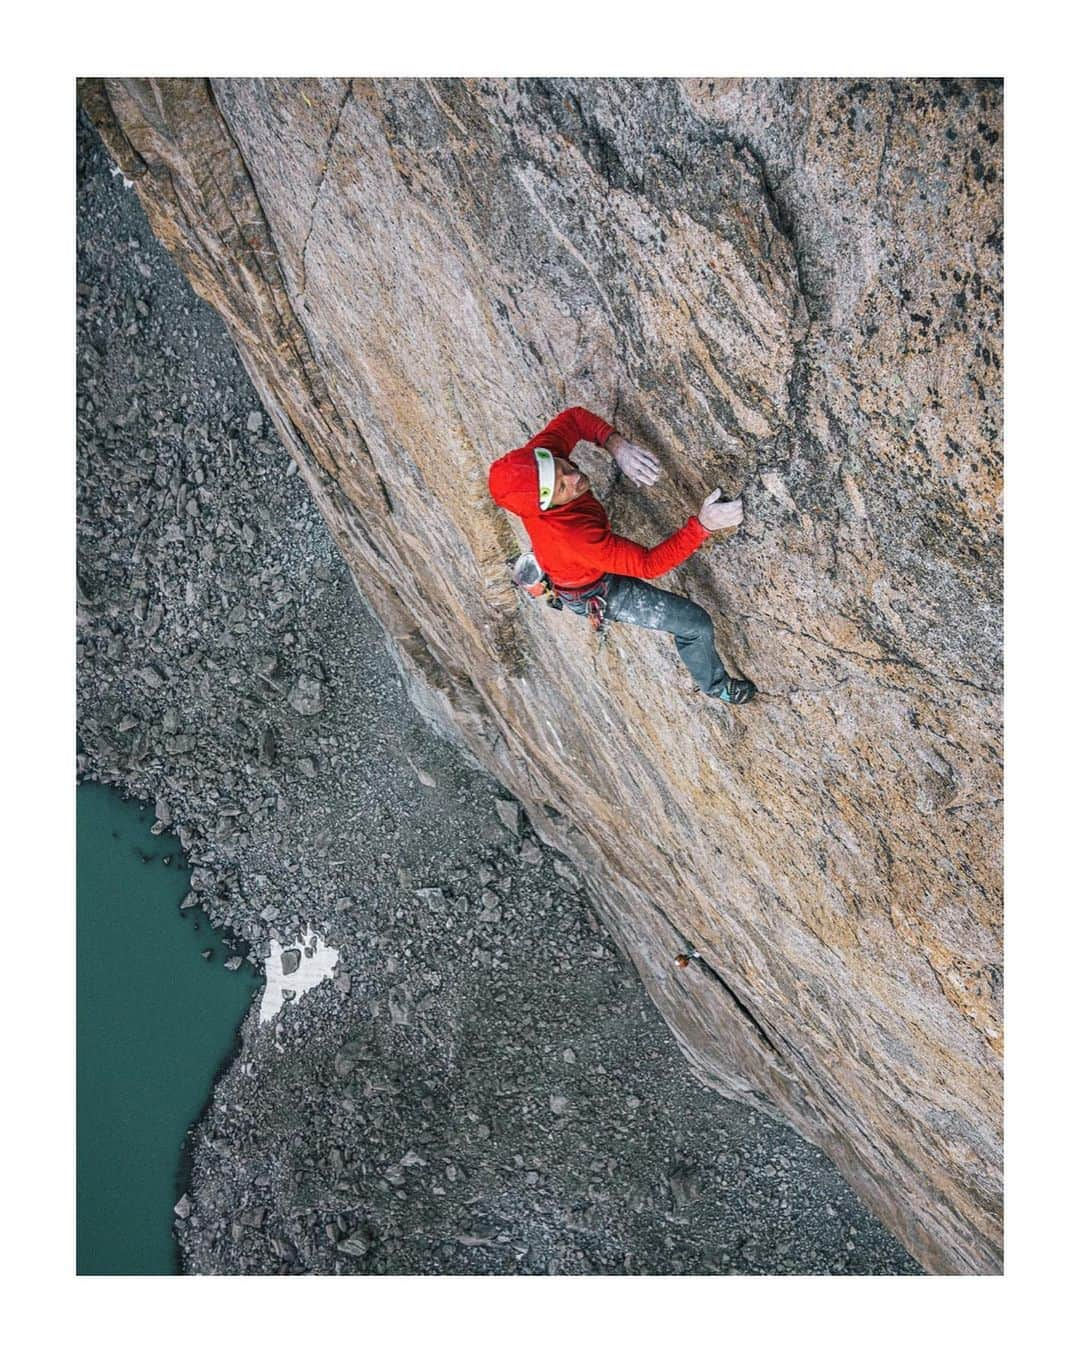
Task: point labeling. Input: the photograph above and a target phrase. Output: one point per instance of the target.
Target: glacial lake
(155, 1022)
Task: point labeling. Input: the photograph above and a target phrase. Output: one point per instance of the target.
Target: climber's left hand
(640, 466)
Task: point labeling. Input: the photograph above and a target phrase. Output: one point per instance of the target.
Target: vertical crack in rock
(886, 143)
(700, 962)
(327, 156)
(714, 974)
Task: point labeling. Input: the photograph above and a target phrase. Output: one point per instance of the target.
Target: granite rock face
(792, 289)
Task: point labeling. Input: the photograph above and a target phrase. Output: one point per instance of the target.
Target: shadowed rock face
(789, 288)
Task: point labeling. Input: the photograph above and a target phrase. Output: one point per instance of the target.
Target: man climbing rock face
(601, 574)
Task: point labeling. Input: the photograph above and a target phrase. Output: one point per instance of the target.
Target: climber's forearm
(608, 552)
(575, 424)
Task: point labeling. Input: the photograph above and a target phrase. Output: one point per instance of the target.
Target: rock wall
(791, 289)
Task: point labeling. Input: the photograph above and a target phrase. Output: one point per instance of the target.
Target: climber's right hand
(718, 515)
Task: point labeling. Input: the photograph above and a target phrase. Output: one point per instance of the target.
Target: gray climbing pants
(631, 600)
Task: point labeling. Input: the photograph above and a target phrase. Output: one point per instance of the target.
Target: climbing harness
(530, 578)
(595, 600)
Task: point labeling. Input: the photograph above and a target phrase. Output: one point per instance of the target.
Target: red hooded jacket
(573, 543)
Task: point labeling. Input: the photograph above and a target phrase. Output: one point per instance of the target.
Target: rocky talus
(789, 289)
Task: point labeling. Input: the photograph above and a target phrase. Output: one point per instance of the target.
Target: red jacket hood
(514, 482)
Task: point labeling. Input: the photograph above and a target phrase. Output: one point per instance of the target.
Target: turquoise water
(154, 1024)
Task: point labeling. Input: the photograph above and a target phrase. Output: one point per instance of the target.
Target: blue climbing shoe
(735, 691)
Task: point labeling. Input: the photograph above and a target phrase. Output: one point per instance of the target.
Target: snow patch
(311, 971)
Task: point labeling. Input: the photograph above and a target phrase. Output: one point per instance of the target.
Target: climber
(601, 574)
